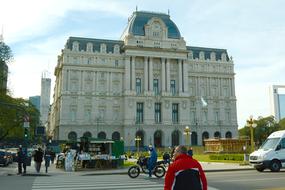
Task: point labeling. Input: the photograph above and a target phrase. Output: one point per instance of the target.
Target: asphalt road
(234, 180)
(247, 180)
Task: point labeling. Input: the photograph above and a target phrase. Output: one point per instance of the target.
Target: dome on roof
(140, 19)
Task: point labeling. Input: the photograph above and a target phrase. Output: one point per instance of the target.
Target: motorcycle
(134, 171)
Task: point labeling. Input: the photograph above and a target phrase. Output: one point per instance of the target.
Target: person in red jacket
(184, 173)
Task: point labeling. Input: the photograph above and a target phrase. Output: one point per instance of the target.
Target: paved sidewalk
(52, 170)
(207, 166)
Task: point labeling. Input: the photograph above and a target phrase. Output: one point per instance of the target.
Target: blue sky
(252, 31)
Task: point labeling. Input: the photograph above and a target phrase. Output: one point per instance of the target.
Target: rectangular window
(139, 118)
(73, 114)
(116, 63)
(155, 87)
(157, 112)
(172, 87)
(175, 113)
(138, 86)
(216, 116)
(87, 114)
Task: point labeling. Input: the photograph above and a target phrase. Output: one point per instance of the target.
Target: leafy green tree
(282, 124)
(265, 126)
(12, 114)
(5, 53)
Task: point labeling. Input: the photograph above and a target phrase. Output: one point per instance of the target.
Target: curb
(206, 171)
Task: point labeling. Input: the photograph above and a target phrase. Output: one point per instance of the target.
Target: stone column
(110, 83)
(180, 75)
(162, 75)
(127, 74)
(233, 87)
(185, 75)
(65, 78)
(145, 74)
(150, 74)
(168, 75)
(133, 82)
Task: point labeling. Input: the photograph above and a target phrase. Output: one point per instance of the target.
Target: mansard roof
(139, 19)
(96, 43)
(207, 51)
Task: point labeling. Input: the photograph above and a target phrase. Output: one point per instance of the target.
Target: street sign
(26, 124)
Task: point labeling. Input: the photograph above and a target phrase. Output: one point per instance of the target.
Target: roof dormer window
(75, 46)
(116, 49)
(103, 48)
(202, 55)
(89, 47)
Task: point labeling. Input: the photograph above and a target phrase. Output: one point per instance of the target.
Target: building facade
(277, 101)
(45, 99)
(36, 101)
(148, 84)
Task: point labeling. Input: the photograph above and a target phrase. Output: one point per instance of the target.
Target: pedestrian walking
(22, 156)
(38, 158)
(52, 154)
(47, 157)
(151, 162)
(185, 172)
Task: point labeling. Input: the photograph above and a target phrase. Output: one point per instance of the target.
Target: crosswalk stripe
(111, 182)
(74, 182)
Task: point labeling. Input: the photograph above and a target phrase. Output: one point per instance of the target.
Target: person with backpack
(185, 172)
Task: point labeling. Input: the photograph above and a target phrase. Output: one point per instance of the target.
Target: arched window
(194, 139)
(205, 135)
(157, 138)
(229, 135)
(116, 136)
(217, 134)
(72, 136)
(175, 138)
(140, 134)
(87, 134)
(102, 135)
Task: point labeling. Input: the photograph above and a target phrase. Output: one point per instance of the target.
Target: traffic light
(26, 133)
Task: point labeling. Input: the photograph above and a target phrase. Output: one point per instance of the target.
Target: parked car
(4, 158)
(13, 151)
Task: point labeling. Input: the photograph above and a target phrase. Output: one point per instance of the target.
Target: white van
(271, 154)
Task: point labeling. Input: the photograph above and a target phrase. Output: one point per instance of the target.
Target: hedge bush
(233, 157)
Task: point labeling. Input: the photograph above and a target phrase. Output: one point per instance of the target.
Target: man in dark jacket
(21, 155)
(38, 158)
(185, 172)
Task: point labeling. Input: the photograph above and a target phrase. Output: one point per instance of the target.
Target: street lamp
(137, 140)
(251, 124)
(187, 133)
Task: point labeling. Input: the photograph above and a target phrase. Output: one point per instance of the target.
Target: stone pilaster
(127, 74)
(150, 74)
(180, 75)
(133, 73)
(185, 76)
(162, 75)
(145, 74)
(168, 75)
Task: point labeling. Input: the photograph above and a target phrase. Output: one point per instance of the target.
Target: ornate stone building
(148, 84)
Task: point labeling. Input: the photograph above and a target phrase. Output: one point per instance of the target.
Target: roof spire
(168, 12)
(136, 8)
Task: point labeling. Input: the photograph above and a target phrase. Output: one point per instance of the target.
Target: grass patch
(128, 163)
(209, 158)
